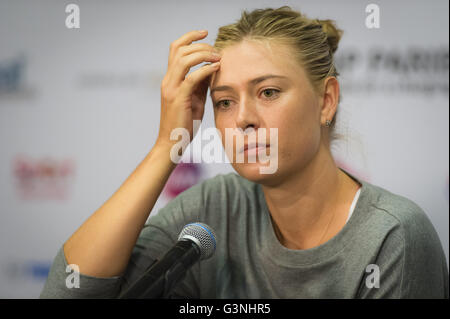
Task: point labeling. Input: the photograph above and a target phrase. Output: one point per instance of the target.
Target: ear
(330, 99)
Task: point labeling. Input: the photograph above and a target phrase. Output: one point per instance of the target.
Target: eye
(270, 93)
(267, 93)
(224, 104)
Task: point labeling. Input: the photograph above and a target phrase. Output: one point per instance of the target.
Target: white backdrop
(79, 109)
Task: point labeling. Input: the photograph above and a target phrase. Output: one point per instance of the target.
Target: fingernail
(203, 31)
(215, 65)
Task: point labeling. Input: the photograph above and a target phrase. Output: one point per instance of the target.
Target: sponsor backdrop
(79, 109)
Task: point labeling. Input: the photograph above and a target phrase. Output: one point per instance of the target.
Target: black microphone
(196, 241)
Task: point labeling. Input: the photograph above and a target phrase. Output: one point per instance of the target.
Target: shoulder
(404, 222)
(209, 198)
(400, 211)
(409, 243)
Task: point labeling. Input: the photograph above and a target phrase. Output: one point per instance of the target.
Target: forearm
(102, 246)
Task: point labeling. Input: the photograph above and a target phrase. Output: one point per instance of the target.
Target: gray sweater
(387, 249)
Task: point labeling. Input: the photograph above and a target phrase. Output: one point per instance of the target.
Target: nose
(247, 116)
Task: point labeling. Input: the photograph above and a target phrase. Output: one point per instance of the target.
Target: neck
(304, 206)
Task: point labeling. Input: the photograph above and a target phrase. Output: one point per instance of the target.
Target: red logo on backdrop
(45, 178)
(183, 177)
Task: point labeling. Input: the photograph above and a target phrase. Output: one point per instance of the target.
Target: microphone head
(203, 236)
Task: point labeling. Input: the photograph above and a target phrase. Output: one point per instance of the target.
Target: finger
(186, 39)
(195, 47)
(193, 79)
(185, 63)
(189, 49)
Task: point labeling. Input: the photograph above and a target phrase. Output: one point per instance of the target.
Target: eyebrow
(251, 82)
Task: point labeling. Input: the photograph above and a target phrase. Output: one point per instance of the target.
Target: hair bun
(333, 33)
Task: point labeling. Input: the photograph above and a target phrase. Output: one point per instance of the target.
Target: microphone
(196, 241)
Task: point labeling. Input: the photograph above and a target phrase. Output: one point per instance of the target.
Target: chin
(254, 172)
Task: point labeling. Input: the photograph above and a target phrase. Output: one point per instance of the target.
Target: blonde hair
(314, 41)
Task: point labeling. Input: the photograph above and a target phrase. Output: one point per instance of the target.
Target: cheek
(299, 128)
(220, 125)
(224, 120)
(302, 114)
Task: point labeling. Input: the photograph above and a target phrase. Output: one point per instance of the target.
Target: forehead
(250, 59)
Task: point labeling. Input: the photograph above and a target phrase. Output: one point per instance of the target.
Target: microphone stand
(159, 282)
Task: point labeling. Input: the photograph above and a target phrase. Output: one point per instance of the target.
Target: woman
(307, 230)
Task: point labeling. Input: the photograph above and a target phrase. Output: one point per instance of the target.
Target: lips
(253, 146)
